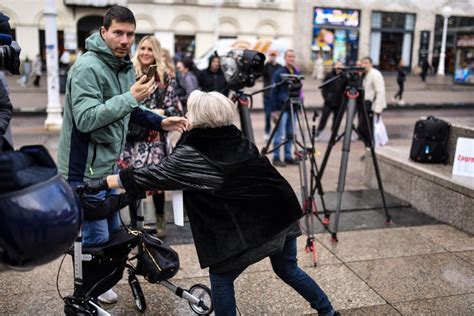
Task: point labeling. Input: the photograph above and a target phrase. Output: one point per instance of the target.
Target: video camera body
(294, 84)
(9, 49)
(241, 67)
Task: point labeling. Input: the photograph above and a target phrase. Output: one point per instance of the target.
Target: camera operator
(268, 71)
(240, 208)
(5, 116)
(212, 78)
(374, 99)
(333, 95)
(101, 98)
(280, 103)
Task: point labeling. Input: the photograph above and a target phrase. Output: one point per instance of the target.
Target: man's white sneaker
(266, 137)
(108, 297)
(401, 103)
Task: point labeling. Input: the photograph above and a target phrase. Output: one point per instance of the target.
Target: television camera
(9, 49)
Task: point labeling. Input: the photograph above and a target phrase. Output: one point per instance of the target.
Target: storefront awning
(95, 3)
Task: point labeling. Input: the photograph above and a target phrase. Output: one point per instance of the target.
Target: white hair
(210, 109)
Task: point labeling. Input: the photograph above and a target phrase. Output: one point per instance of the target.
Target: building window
(184, 46)
(335, 35)
(391, 39)
(455, 24)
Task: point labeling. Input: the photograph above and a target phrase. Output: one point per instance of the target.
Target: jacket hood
(96, 43)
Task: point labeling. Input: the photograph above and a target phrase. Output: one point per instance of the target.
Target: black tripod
(301, 138)
(353, 100)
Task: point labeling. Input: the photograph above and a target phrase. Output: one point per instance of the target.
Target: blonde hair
(156, 47)
(210, 110)
(168, 60)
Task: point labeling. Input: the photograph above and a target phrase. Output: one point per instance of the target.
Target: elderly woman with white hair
(240, 208)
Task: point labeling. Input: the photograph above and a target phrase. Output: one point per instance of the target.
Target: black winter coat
(333, 93)
(213, 81)
(235, 199)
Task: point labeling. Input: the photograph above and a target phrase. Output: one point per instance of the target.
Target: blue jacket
(279, 95)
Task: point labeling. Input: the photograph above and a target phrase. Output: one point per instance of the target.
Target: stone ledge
(398, 157)
(429, 188)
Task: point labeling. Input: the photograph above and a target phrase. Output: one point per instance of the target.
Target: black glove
(92, 187)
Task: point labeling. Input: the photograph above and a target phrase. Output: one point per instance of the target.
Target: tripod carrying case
(430, 141)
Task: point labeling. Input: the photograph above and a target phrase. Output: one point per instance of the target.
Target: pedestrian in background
(268, 71)
(187, 80)
(26, 73)
(149, 146)
(280, 101)
(374, 100)
(401, 78)
(425, 66)
(318, 69)
(101, 98)
(37, 70)
(212, 78)
(333, 95)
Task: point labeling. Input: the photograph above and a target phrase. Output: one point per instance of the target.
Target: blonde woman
(149, 147)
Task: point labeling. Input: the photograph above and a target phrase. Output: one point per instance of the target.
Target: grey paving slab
(447, 237)
(452, 305)
(466, 255)
(360, 199)
(37, 303)
(374, 219)
(40, 279)
(418, 277)
(264, 292)
(371, 310)
(378, 244)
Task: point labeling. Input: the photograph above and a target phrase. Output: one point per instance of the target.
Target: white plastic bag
(380, 133)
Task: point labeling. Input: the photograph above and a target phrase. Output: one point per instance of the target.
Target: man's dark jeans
(285, 266)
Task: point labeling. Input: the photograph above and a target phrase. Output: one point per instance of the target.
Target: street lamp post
(54, 118)
(446, 11)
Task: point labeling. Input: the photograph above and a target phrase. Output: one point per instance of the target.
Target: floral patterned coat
(152, 151)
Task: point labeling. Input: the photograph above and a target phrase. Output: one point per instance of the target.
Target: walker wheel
(203, 293)
(137, 292)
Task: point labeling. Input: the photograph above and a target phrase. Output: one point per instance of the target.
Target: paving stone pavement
(416, 266)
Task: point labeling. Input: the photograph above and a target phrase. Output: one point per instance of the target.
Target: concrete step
(429, 188)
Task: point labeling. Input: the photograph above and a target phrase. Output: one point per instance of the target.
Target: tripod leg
(332, 140)
(351, 109)
(264, 150)
(367, 120)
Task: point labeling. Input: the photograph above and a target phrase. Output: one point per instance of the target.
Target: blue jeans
(285, 266)
(284, 129)
(98, 232)
(268, 114)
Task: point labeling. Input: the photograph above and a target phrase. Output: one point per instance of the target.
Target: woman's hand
(159, 111)
(92, 187)
(174, 123)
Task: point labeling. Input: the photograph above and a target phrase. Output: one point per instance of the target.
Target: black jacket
(268, 72)
(213, 81)
(235, 199)
(333, 93)
(6, 110)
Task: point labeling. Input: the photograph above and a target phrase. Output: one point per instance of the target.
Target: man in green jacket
(101, 97)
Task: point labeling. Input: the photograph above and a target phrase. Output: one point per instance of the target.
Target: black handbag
(157, 261)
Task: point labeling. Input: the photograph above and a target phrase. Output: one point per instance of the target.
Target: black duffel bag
(157, 261)
(430, 141)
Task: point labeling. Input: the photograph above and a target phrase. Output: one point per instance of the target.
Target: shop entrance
(390, 50)
(85, 27)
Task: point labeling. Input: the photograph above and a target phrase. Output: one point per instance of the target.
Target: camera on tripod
(294, 84)
(9, 49)
(241, 67)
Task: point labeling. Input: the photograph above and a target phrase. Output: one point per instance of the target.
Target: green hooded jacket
(97, 110)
